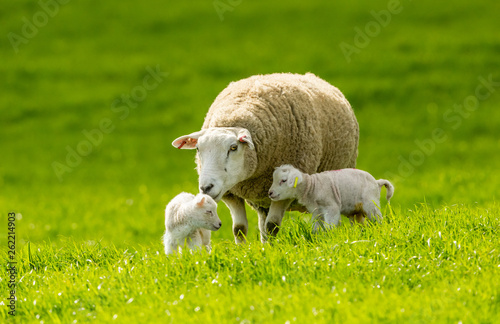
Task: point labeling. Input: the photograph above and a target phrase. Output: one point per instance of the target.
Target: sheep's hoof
(272, 228)
(240, 233)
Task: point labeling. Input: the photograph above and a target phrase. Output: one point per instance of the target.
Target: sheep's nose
(220, 224)
(206, 189)
(270, 193)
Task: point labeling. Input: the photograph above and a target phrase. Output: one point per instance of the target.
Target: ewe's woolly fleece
(294, 119)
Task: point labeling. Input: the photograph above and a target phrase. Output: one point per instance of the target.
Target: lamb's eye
(208, 212)
(282, 181)
(233, 147)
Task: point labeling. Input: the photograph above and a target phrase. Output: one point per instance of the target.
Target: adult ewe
(259, 123)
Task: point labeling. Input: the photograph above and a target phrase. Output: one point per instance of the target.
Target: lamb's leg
(275, 216)
(357, 218)
(236, 206)
(205, 238)
(169, 246)
(194, 241)
(378, 214)
(372, 211)
(375, 214)
(318, 220)
(332, 216)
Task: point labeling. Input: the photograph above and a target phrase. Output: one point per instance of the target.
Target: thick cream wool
(293, 119)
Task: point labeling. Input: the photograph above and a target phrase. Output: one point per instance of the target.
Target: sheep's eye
(208, 212)
(282, 181)
(233, 147)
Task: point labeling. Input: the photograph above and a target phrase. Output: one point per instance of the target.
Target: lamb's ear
(188, 141)
(245, 137)
(199, 200)
(294, 179)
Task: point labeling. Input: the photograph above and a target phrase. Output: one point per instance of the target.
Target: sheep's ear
(188, 141)
(245, 137)
(294, 180)
(200, 200)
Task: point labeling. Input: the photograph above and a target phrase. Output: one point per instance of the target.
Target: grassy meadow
(118, 81)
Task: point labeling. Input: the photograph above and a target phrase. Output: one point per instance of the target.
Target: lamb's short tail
(388, 186)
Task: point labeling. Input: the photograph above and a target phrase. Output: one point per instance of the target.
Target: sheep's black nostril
(270, 193)
(206, 189)
(220, 224)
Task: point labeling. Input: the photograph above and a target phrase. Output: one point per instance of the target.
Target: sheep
(264, 121)
(189, 219)
(327, 195)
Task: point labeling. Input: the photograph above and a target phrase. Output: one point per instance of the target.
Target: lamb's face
(285, 181)
(221, 153)
(206, 213)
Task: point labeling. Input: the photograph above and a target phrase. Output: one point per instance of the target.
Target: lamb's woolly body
(350, 192)
(295, 119)
(183, 226)
(349, 188)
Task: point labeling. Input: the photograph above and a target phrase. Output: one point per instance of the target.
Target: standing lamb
(189, 219)
(327, 195)
(259, 123)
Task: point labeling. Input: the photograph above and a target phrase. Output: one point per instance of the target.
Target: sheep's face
(222, 153)
(206, 213)
(285, 181)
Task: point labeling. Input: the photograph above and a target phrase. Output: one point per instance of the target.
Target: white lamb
(327, 195)
(189, 219)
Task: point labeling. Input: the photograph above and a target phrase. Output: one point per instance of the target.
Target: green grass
(421, 265)
(109, 208)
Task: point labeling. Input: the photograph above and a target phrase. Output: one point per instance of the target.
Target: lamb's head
(286, 178)
(205, 213)
(225, 156)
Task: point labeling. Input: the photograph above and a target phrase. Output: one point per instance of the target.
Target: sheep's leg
(318, 220)
(275, 216)
(372, 211)
(332, 216)
(357, 218)
(170, 248)
(378, 214)
(375, 213)
(205, 238)
(194, 241)
(262, 212)
(236, 206)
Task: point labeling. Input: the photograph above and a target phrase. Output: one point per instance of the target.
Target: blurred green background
(67, 68)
